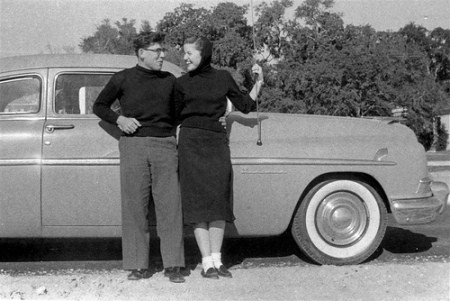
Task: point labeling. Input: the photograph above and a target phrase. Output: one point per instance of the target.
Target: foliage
(185, 21)
(225, 25)
(109, 39)
(442, 137)
(313, 63)
(271, 28)
(326, 68)
(435, 44)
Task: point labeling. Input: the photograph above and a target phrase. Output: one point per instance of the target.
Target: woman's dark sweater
(143, 94)
(201, 98)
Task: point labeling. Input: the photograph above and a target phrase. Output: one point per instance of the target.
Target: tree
(228, 17)
(145, 26)
(353, 71)
(225, 25)
(109, 39)
(312, 11)
(416, 34)
(64, 49)
(272, 28)
(436, 44)
(313, 63)
(303, 71)
(440, 59)
(184, 22)
(441, 135)
(124, 41)
(230, 34)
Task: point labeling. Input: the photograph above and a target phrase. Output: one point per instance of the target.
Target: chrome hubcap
(342, 218)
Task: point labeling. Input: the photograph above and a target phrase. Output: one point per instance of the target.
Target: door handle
(52, 127)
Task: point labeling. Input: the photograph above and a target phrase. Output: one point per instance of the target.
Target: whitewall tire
(340, 222)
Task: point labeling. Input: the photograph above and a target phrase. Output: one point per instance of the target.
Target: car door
(80, 171)
(22, 115)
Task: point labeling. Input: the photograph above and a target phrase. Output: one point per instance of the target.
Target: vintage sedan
(331, 181)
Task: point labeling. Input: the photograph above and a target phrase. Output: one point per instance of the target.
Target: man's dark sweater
(143, 94)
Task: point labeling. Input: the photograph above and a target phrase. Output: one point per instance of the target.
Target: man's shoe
(139, 274)
(185, 271)
(223, 272)
(174, 274)
(211, 273)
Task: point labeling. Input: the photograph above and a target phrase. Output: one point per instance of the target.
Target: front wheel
(340, 222)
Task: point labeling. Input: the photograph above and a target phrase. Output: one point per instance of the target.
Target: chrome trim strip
(300, 161)
(438, 163)
(21, 117)
(17, 162)
(411, 196)
(235, 161)
(71, 117)
(81, 162)
(246, 170)
(59, 162)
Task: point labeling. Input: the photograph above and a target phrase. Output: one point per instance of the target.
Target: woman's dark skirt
(205, 175)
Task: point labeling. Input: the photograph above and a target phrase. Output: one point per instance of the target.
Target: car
(330, 181)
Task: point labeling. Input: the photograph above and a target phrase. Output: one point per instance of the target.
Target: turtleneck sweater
(201, 98)
(143, 94)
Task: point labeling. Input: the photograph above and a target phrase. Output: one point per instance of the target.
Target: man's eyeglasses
(157, 51)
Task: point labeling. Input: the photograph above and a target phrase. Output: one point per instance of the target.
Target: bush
(442, 136)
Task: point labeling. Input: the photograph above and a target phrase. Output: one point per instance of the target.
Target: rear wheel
(340, 222)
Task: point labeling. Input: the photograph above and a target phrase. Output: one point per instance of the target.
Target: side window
(76, 93)
(20, 95)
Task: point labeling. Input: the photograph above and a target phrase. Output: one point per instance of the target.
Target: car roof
(27, 62)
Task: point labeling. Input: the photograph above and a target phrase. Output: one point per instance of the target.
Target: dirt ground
(372, 281)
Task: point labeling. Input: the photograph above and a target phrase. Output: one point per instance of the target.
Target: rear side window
(76, 93)
(20, 95)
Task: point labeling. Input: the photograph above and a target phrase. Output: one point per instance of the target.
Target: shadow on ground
(100, 249)
(400, 241)
(259, 251)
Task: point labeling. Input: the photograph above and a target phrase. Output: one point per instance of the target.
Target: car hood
(316, 136)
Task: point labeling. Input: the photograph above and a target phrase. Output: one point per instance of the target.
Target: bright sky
(28, 26)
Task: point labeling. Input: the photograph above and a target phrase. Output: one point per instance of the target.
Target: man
(148, 158)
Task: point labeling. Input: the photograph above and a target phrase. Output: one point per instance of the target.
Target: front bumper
(422, 210)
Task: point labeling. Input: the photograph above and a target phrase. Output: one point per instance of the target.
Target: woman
(204, 155)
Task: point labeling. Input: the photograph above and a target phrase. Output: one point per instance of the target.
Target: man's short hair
(147, 38)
